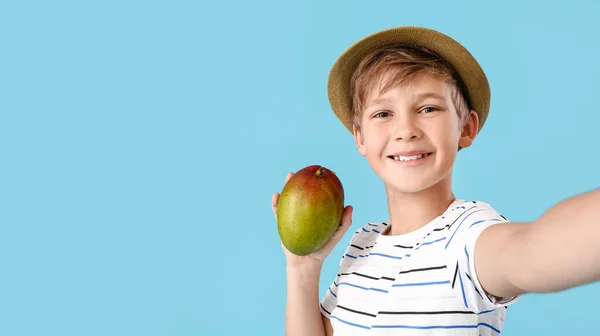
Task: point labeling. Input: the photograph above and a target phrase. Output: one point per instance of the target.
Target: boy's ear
(358, 138)
(469, 132)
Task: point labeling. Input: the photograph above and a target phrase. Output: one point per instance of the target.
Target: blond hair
(402, 62)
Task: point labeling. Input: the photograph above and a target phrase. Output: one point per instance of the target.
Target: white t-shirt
(419, 283)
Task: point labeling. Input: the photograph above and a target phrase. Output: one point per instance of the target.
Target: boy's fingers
(347, 216)
(288, 176)
(274, 200)
(345, 222)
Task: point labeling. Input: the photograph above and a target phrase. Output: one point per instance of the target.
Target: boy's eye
(381, 114)
(429, 109)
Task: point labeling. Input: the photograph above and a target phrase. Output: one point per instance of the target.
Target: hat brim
(467, 68)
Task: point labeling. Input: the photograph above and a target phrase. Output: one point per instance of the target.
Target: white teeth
(409, 158)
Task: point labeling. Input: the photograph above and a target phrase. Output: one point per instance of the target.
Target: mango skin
(309, 209)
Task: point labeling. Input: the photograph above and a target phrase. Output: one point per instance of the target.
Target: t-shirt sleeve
(461, 250)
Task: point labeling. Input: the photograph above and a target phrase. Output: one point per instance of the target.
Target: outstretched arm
(558, 251)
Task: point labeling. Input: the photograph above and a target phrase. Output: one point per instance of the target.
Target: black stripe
(426, 312)
(361, 248)
(445, 226)
(449, 225)
(402, 246)
(355, 311)
(320, 304)
(455, 273)
(423, 269)
(464, 212)
(367, 276)
(472, 283)
(377, 224)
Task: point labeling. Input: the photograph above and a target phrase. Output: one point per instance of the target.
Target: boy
(412, 98)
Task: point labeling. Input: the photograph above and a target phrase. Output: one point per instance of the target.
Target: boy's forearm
(303, 316)
(562, 248)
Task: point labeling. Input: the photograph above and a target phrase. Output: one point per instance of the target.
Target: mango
(309, 209)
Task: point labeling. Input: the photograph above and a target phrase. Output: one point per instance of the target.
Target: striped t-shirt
(419, 283)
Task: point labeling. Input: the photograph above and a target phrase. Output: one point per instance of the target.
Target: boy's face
(410, 134)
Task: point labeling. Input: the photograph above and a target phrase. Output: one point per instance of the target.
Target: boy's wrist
(305, 266)
(303, 276)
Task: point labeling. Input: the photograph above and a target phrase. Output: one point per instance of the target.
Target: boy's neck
(409, 212)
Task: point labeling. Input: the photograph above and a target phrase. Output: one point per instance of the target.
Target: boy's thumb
(346, 218)
(345, 223)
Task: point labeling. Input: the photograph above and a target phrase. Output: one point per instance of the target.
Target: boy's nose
(406, 129)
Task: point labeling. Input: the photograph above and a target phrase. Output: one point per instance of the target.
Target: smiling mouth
(408, 158)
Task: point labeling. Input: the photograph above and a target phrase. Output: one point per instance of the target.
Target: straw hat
(470, 72)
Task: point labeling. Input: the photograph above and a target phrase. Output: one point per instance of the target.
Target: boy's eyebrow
(417, 97)
(378, 101)
(425, 95)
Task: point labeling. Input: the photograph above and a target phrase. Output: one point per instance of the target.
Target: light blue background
(141, 142)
